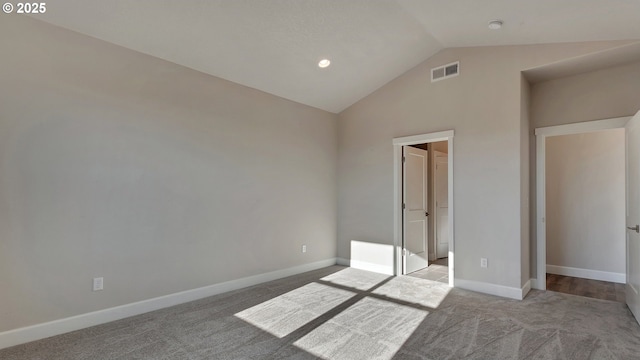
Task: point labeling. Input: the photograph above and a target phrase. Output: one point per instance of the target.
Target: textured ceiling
(275, 45)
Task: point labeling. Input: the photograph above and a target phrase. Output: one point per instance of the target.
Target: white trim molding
(620, 278)
(533, 282)
(398, 143)
(584, 127)
(376, 268)
(364, 265)
(61, 326)
(493, 289)
(525, 289)
(541, 190)
(424, 138)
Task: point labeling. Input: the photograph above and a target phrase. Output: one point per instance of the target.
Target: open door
(415, 232)
(632, 288)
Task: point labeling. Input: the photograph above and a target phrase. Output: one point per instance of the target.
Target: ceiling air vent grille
(445, 71)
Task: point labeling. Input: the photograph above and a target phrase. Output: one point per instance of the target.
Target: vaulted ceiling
(275, 45)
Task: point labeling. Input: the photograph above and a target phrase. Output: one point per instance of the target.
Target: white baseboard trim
(493, 289)
(620, 278)
(534, 284)
(377, 268)
(61, 326)
(525, 289)
(363, 265)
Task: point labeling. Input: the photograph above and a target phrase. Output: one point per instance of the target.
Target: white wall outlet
(98, 284)
(304, 248)
(483, 262)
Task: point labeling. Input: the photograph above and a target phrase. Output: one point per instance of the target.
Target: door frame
(398, 143)
(541, 189)
(435, 197)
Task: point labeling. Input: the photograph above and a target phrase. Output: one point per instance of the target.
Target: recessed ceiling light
(495, 24)
(324, 63)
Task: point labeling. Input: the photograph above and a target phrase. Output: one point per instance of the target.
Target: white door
(442, 204)
(415, 209)
(633, 215)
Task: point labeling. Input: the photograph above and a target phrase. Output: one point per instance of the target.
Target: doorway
(585, 208)
(403, 245)
(542, 135)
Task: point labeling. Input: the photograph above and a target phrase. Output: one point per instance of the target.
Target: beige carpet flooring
(343, 313)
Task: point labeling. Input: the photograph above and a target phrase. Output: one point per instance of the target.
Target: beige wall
(602, 94)
(156, 177)
(441, 146)
(596, 95)
(585, 201)
(483, 106)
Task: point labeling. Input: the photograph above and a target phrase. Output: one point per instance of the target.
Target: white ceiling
(275, 45)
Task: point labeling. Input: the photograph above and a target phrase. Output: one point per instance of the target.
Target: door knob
(426, 213)
(636, 228)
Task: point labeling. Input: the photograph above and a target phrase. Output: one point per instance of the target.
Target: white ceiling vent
(445, 71)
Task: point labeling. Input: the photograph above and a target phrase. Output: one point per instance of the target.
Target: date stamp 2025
(24, 8)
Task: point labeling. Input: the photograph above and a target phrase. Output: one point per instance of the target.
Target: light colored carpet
(342, 313)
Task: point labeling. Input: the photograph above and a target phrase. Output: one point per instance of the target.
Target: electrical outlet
(98, 284)
(483, 262)
(304, 248)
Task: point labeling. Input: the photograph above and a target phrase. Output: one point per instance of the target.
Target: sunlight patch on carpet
(356, 279)
(288, 312)
(370, 329)
(415, 290)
